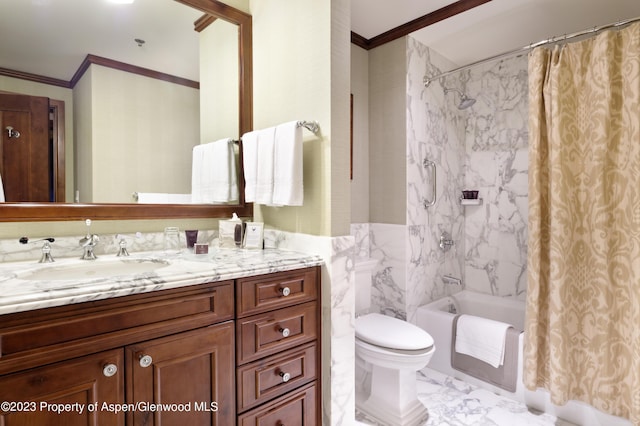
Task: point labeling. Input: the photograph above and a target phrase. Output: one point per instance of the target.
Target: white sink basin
(90, 269)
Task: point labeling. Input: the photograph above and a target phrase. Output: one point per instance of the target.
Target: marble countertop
(26, 286)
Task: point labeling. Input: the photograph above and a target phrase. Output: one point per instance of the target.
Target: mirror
(117, 209)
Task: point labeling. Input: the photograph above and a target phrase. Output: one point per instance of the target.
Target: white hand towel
(250, 164)
(481, 338)
(264, 174)
(213, 176)
(287, 165)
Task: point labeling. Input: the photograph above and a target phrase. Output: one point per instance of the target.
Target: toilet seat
(393, 334)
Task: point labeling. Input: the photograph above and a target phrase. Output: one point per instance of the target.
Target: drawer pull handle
(285, 332)
(145, 361)
(285, 377)
(285, 291)
(110, 370)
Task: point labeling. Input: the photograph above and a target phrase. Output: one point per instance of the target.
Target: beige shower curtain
(583, 301)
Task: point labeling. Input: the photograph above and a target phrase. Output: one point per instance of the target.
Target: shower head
(465, 101)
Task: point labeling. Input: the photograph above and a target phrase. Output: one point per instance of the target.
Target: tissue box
(230, 234)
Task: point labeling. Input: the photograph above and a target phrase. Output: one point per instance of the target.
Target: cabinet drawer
(297, 409)
(270, 377)
(271, 332)
(274, 291)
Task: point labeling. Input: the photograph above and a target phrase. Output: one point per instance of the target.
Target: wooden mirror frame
(30, 212)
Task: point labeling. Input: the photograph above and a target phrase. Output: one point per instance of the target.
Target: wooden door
(189, 376)
(68, 393)
(27, 160)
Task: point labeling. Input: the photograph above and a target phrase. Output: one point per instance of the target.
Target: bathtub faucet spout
(448, 279)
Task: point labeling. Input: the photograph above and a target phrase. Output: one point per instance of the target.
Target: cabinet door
(183, 379)
(69, 393)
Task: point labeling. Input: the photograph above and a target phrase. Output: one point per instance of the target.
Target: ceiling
(52, 37)
(492, 28)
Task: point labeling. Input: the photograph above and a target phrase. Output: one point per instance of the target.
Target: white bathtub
(437, 319)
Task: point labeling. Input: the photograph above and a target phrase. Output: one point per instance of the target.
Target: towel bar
(312, 126)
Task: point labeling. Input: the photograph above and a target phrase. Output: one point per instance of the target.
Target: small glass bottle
(172, 239)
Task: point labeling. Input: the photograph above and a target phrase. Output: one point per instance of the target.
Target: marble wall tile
(388, 294)
(436, 132)
(360, 232)
(66, 247)
(497, 165)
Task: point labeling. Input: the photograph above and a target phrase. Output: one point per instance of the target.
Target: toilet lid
(392, 333)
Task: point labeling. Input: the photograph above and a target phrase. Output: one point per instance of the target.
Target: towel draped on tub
(504, 376)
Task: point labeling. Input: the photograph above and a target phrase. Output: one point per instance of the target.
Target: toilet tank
(364, 268)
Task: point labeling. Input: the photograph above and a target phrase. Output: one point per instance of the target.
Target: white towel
(213, 175)
(257, 154)
(163, 198)
(287, 165)
(2, 200)
(481, 338)
(264, 173)
(250, 164)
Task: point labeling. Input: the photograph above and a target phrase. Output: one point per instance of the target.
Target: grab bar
(428, 163)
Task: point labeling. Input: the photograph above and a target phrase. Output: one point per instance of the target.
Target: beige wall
(387, 133)
(83, 122)
(16, 85)
(360, 91)
(219, 80)
(301, 72)
(142, 134)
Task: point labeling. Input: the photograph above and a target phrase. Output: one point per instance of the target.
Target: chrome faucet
(88, 243)
(46, 248)
(122, 243)
(446, 242)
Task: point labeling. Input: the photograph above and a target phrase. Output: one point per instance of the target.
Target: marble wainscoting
(496, 164)
(386, 243)
(67, 247)
(410, 268)
(338, 305)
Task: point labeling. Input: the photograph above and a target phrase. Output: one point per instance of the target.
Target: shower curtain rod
(428, 80)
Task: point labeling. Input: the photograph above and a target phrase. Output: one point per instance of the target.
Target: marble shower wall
(483, 147)
(435, 131)
(496, 163)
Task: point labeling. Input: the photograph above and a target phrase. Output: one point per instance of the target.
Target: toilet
(389, 351)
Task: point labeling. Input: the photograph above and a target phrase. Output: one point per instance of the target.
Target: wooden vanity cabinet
(278, 349)
(170, 346)
(243, 352)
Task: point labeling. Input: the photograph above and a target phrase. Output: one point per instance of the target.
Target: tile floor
(451, 402)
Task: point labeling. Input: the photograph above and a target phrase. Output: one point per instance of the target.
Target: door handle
(12, 132)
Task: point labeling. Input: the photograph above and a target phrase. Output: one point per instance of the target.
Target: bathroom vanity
(197, 342)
